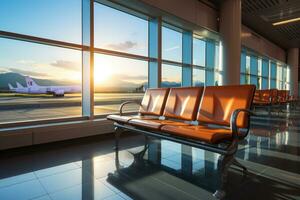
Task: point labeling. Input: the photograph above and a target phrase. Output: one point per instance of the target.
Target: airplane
(18, 89)
(34, 88)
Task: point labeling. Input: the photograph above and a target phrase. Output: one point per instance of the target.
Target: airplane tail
(30, 82)
(19, 85)
(10, 87)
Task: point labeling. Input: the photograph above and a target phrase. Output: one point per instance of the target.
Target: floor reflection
(87, 169)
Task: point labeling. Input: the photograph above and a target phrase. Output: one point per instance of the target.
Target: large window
(273, 75)
(46, 66)
(119, 31)
(198, 76)
(52, 19)
(254, 70)
(171, 75)
(206, 69)
(118, 79)
(33, 76)
(199, 52)
(171, 45)
(263, 72)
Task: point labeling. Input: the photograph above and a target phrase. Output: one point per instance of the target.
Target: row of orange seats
(272, 97)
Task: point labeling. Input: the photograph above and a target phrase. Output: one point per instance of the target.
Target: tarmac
(18, 108)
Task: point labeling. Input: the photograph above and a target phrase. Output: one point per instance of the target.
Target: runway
(16, 108)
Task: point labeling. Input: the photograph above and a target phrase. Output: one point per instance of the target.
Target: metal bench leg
(224, 163)
(118, 132)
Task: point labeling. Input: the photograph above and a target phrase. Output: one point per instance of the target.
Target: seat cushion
(154, 124)
(124, 119)
(202, 133)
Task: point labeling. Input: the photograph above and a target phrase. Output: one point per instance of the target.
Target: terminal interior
(149, 99)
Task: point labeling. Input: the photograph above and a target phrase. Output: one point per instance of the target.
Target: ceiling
(260, 14)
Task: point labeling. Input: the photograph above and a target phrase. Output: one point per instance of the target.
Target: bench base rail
(226, 159)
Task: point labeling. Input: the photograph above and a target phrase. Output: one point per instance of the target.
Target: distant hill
(170, 84)
(12, 78)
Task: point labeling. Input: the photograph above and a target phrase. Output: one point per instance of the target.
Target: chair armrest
(233, 120)
(127, 102)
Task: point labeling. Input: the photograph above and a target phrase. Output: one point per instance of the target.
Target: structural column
(230, 30)
(293, 62)
(88, 58)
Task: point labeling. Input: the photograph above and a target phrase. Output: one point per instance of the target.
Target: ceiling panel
(260, 14)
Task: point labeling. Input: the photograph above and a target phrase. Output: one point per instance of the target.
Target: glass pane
(198, 52)
(273, 70)
(253, 65)
(218, 78)
(254, 80)
(111, 34)
(117, 80)
(243, 79)
(247, 64)
(273, 84)
(217, 57)
(265, 83)
(279, 73)
(32, 76)
(265, 68)
(259, 66)
(198, 77)
(171, 76)
(209, 78)
(247, 79)
(171, 45)
(210, 54)
(284, 74)
(53, 19)
(243, 62)
(258, 84)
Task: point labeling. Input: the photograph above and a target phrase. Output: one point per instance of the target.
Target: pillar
(293, 62)
(230, 30)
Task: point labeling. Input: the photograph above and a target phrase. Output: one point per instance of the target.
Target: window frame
(87, 28)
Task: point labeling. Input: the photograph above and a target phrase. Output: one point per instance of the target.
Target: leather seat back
(257, 96)
(182, 103)
(265, 95)
(281, 96)
(154, 101)
(274, 93)
(287, 92)
(219, 102)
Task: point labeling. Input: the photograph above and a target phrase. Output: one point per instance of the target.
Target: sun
(102, 71)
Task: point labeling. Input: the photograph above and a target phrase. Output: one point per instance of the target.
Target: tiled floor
(85, 169)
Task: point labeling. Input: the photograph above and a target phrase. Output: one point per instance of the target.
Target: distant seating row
(212, 118)
(273, 97)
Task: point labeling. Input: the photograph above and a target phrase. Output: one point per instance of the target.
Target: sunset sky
(51, 19)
